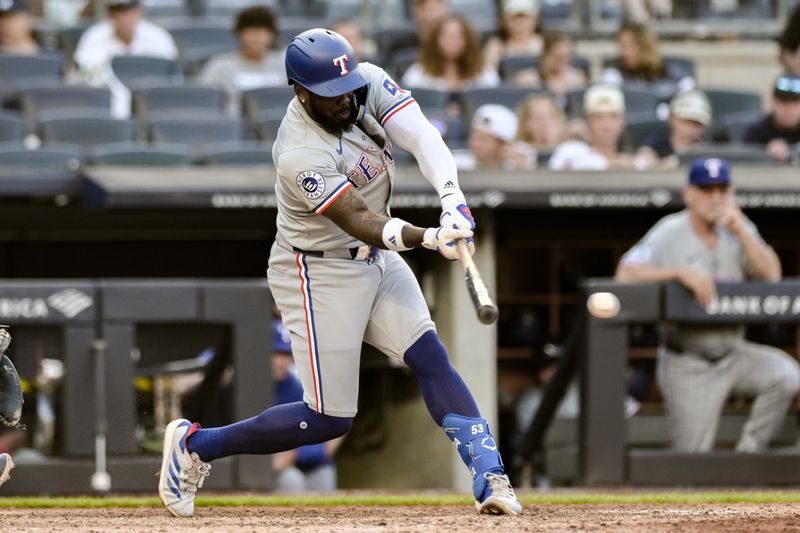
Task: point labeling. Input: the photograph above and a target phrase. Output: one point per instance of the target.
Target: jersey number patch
(312, 183)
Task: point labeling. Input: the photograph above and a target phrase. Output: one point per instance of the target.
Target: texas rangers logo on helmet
(312, 183)
(341, 62)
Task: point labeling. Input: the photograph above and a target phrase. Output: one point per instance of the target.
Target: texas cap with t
(603, 99)
(496, 120)
(709, 171)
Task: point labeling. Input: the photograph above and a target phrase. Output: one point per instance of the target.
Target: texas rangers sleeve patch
(312, 183)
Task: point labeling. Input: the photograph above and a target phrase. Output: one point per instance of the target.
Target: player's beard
(337, 123)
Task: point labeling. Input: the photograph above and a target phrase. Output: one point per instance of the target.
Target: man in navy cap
(701, 365)
(16, 26)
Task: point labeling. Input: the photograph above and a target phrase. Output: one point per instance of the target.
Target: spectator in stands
(689, 116)
(351, 30)
(789, 43)
(311, 467)
(125, 32)
(427, 14)
(556, 74)
(451, 60)
(779, 131)
(254, 65)
(640, 60)
(604, 111)
(491, 142)
(542, 124)
(701, 365)
(16, 29)
(518, 33)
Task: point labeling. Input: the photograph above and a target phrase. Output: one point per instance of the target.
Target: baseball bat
(485, 307)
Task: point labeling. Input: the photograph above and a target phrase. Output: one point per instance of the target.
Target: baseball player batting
(337, 277)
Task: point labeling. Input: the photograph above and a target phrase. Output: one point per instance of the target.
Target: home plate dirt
(438, 519)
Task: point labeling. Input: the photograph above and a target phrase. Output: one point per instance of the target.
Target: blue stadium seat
(12, 127)
(193, 37)
(141, 154)
(429, 99)
(641, 127)
(14, 68)
(195, 131)
(50, 97)
(134, 71)
(735, 125)
(53, 156)
(266, 123)
(68, 38)
(82, 127)
(147, 100)
(236, 153)
(508, 96)
(510, 66)
(725, 102)
(256, 101)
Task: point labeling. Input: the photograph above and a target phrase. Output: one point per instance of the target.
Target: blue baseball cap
(281, 339)
(709, 171)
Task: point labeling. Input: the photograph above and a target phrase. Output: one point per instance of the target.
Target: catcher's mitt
(10, 389)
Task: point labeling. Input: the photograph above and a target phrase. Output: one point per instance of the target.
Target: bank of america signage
(67, 302)
(753, 304)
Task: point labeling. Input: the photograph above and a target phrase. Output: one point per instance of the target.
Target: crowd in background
(545, 110)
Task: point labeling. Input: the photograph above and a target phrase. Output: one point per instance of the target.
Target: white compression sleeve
(411, 131)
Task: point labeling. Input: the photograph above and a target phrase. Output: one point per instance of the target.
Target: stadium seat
(136, 70)
(735, 125)
(193, 37)
(236, 153)
(740, 153)
(165, 9)
(429, 99)
(725, 102)
(289, 27)
(266, 123)
(141, 154)
(390, 40)
(257, 101)
(14, 68)
(68, 38)
(12, 127)
(508, 96)
(401, 60)
(195, 131)
(45, 98)
(641, 127)
(57, 156)
(227, 9)
(83, 127)
(174, 97)
(678, 67)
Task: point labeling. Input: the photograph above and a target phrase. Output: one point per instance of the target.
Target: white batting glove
(456, 213)
(443, 240)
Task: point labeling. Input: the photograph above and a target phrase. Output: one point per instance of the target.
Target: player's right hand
(443, 240)
(701, 284)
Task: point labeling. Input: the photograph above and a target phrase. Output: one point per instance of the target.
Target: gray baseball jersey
(329, 300)
(315, 167)
(672, 242)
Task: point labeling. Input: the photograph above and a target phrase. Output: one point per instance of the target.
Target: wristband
(392, 235)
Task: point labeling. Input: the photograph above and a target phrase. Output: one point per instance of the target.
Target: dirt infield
(438, 519)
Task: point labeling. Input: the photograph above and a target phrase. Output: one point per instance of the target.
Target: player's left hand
(443, 240)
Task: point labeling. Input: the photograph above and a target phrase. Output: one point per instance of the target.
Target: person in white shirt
(491, 142)
(254, 65)
(124, 32)
(604, 109)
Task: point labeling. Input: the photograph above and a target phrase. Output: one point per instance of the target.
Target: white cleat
(6, 464)
(501, 499)
(182, 473)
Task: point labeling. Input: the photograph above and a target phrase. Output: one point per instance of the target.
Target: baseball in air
(603, 305)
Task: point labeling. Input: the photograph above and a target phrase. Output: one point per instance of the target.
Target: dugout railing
(601, 355)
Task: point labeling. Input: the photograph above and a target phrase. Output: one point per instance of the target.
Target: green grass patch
(433, 499)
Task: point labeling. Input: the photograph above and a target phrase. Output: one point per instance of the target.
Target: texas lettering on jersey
(366, 169)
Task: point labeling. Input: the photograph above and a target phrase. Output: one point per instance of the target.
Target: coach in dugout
(701, 365)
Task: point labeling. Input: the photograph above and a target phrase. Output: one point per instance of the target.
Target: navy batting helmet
(323, 62)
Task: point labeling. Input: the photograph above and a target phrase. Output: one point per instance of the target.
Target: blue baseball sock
(443, 389)
(477, 448)
(279, 428)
